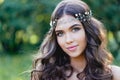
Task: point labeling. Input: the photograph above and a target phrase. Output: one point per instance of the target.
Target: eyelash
(60, 34)
(75, 29)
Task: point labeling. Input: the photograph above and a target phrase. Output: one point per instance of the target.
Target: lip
(72, 48)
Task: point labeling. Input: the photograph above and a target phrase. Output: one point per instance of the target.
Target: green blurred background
(23, 24)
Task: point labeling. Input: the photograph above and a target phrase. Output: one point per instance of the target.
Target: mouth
(72, 48)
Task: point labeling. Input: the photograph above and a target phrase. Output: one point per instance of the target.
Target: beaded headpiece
(80, 16)
(84, 17)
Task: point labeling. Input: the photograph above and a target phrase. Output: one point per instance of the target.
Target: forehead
(67, 21)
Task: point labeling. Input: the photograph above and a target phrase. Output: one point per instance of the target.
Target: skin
(116, 72)
(71, 38)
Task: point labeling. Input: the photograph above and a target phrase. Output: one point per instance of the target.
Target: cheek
(60, 42)
(81, 38)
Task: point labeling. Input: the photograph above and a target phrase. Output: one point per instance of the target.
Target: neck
(78, 63)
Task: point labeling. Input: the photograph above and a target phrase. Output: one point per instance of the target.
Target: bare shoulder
(116, 72)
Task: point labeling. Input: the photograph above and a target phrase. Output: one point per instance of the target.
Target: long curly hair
(52, 63)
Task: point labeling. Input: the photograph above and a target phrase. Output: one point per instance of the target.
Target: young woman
(75, 47)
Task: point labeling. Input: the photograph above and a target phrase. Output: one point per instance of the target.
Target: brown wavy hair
(52, 62)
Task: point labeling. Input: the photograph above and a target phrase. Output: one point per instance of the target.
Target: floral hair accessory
(53, 23)
(86, 16)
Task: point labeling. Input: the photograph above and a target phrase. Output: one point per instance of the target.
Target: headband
(86, 16)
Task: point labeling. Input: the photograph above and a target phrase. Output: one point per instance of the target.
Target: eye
(59, 34)
(75, 29)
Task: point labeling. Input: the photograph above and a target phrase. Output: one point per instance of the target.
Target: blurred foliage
(107, 11)
(18, 67)
(15, 67)
(25, 22)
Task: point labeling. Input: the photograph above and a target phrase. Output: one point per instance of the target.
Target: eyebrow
(70, 27)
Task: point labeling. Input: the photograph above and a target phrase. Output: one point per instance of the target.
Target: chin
(75, 54)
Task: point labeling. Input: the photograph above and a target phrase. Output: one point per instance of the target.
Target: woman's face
(71, 35)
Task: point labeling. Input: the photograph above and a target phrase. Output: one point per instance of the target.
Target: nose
(69, 38)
